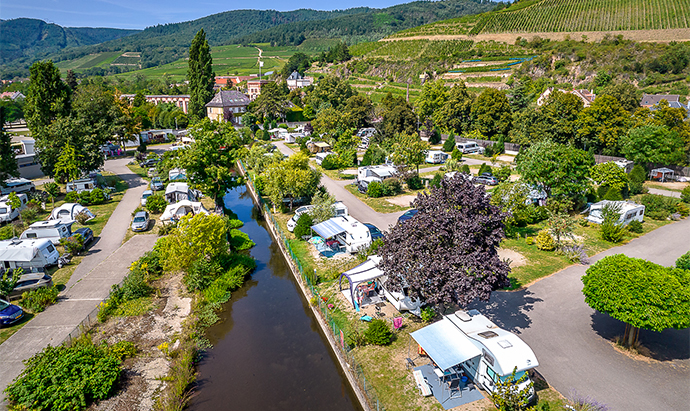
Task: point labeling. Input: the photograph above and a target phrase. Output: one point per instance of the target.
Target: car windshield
(139, 219)
(3, 305)
(3, 210)
(146, 195)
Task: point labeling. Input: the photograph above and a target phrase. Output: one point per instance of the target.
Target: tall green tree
(559, 115)
(360, 110)
(639, 293)
(200, 75)
(455, 114)
(47, 99)
(67, 165)
(609, 175)
(330, 91)
(291, 179)
(397, 116)
(271, 102)
(409, 150)
(601, 125)
(625, 93)
(491, 114)
(433, 96)
(653, 144)
(8, 161)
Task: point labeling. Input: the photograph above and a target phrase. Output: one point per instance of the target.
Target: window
(491, 373)
(50, 248)
(30, 235)
(488, 334)
(489, 359)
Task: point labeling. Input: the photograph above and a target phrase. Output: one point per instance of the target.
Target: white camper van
(26, 254)
(52, 230)
(18, 185)
(8, 214)
(339, 209)
(83, 184)
(628, 211)
(469, 147)
(351, 235)
(436, 157)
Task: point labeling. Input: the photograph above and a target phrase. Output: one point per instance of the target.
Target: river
(268, 352)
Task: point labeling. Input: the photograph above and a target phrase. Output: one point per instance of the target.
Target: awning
(445, 344)
(328, 229)
(364, 272)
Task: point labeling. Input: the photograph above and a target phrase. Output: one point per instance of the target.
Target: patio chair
(454, 389)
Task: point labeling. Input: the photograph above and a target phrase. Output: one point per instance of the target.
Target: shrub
(682, 209)
(503, 173)
(392, 187)
(658, 207)
(97, 196)
(81, 217)
(456, 154)
(375, 189)
(66, 377)
(575, 253)
(72, 244)
(635, 226)
(331, 162)
(29, 214)
(529, 240)
(613, 194)
(685, 195)
(37, 300)
(239, 240)
(7, 232)
(304, 223)
(583, 222)
(167, 228)
(601, 191)
(201, 274)
(436, 180)
(465, 169)
(434, 137)
(449, 144)
(156, 203)
(378, 333)
(72, 197)
(637, 177)
(545, 241)
(683, 262)
(53, 189)
(415, 182)
(85, 198)
(484, 168)
(123, 349)
(427, 314)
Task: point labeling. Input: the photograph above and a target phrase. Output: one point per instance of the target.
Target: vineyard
(413, 49)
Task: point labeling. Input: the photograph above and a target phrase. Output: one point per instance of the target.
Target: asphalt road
(571, 340)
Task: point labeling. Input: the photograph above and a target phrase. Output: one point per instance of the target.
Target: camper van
(436, 157)
(18, 185)
(470, 147)
(339, 209)
(26, 254)
(319, 157)
(52, 230)
(7, 213)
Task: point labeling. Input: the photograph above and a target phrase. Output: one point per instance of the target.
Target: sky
(139, 14)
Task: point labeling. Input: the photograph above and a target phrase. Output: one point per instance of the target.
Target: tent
(68, 212)
(174, 212)
(662, 173)
(362, 274)
(445, 344)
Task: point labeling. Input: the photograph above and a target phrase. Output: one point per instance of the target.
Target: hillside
(31, 38)
(565, 16)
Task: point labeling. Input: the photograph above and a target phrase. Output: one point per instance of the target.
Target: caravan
(7, 213)
(18, 185)
(339, 208)
(436, 157)
(27, 254)
(52, 230)
(84, 184)
(345, 232)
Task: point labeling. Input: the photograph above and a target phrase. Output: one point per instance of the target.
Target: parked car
(152, 172)
(31, 281)
(149, 162)
(86, 233)
(374, 231)
(140, 222)
(407, 215)
(10, 313)
(486, 179)
(157, 184)
(146, 194)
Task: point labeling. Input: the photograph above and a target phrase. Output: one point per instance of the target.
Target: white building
(296, 80)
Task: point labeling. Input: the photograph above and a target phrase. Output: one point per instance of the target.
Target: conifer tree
(200, 75)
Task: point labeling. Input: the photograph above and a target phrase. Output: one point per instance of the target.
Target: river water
(268, 352)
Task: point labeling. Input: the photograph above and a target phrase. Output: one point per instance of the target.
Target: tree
(637, 177)
(561, 226)
(8, 161)
(303, 226)
(7, 283)
(653, 144)
(47, 99)
(324, 207)
(331, 91)
(491, 114)
(409, 150)
(433, 96)
(290, 179)
(449, 144)
(210, 159)
(561, 170)
(513, 199)
(609, 175)
(271, 102)
(455, 113)
(298, 62)
(196, 237)
(359, 110)
(507, 394)
(639, 293)
(559, 115)
(448, 253)
(601, 125)
(67, 166)
(611, 230)
(397, 116)
(200, 75)
(625, 93)
(331, 121)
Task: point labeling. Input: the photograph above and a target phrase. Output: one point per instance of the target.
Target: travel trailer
(18, 185)
(350, 234)
(628, 212)
(469, 147)
(174, 212)
(26, 254)
(339, 208)
(7, 213)
(84, 184)
(175, 192)
(436, 157)
(319, 157)
(52, 230)
(375, 173)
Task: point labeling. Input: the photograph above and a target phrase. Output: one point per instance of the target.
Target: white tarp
(328, 229)
(445, 344)
(182, 208)
(16, 252)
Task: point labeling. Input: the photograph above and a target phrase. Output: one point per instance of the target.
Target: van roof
(49, 224)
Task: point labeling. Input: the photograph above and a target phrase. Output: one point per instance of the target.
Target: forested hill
(28, 38)
(371, 25)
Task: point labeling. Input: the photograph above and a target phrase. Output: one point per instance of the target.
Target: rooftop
(228, 98)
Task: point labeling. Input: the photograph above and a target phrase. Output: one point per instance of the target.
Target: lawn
(381, 204)
(7, 332)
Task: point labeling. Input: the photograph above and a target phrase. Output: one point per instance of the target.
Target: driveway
(571, 340)
(667, 193)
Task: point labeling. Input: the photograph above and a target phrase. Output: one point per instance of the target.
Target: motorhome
(52, 230)
(17, 185)
(7, 213)
(627, 211)
(375, 173)
(83, 184)
(469, 147)
(26, 254)
(436, 157)
(339, 209)
(350, 235)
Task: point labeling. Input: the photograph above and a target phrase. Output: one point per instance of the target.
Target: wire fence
(340, 335)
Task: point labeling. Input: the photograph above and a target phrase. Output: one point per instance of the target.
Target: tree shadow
(509, 310)
(666, 345)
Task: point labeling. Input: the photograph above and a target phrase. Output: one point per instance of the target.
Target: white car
(144, 196)
(292, 222)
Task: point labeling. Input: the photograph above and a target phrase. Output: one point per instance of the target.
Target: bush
(685, 195)
(545, 241)
(66, 378)
(97, 196)
(637, 177)
(484, 168)
(37, 300)
(503, 173)
(583, 222)
(73, 244)
(53, 189)
(436, 180)
(85, 198)
(529, 240)
(331, 162)
(415, 182)
(449, 144)
(427, 314)
(378, 333)
(456, 154)
(635, 226)
(613, 194)
(7, 232)
(392, 187)
(72, 197)
(29, 214)
(201, 274)
(612, 232)
(601, 191)
(304, 223)
(465, 169)
(375, 189)
(156, 203)
(81, 217)
(658, 207)
(239, 240)
(682, 209)
(683, 262)
(434, 137)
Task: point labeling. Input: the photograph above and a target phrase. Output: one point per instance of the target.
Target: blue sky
(139, 14)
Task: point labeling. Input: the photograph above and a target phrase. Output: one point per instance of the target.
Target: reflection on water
(268, 353)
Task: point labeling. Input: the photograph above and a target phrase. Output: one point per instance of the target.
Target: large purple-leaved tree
(447, 253)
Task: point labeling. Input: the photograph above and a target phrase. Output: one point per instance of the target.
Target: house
(346, 233)
(586, 96)
(628, 211)
(651, 101)
(12, 95)
(35, 253)
(296, 80)
(181, 101)
(254, 88)
(227, 105)
(318, 147)
(176, 192)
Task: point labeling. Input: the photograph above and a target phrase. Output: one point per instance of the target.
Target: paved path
(667, 193)
(570, 339)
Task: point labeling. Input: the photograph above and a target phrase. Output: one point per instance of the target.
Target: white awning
(328, 229)
(445, 344)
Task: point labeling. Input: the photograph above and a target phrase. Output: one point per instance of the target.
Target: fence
(338, 336)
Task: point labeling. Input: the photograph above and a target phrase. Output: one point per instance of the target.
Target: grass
(7, 332)
(381, 205)
(141, 172)
(334, 174)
